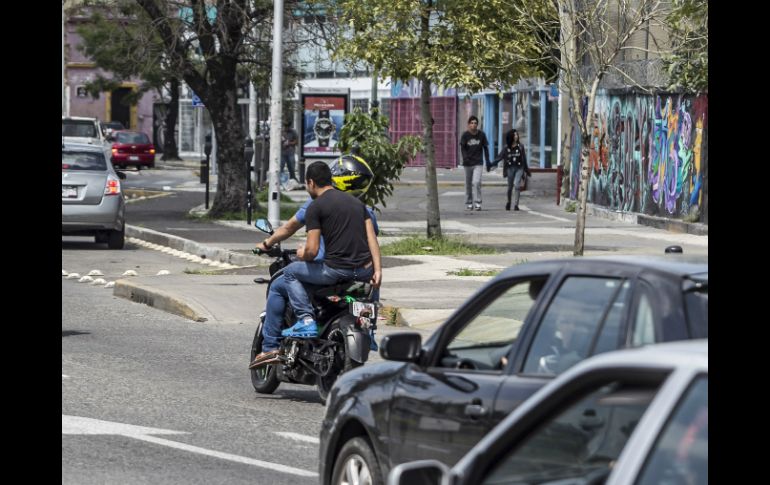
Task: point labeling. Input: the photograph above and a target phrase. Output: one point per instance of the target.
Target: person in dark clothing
(515, 167)
(474, 144)
(352, 250)
(289, 139)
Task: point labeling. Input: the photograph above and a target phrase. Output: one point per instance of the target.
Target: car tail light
(114, 149)
(151, 151)
(112, 187)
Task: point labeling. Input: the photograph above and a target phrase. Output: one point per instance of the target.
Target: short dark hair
(473, 118)
(320, 173)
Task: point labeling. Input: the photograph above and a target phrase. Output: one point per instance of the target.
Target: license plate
(133, 158)
(359, 308)
(69, 192)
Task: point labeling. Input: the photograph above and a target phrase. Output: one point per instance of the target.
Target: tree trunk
(170, 150)
(231, 168)
(580, 225)
(434, 216)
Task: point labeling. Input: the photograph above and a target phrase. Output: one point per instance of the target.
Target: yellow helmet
(351, 174)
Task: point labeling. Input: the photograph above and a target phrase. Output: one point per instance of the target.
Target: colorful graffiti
(644, 153)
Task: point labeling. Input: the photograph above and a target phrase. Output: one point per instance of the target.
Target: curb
(192, 247)
(664, 223)
(160, 300)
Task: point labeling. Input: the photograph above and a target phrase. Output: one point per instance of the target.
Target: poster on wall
(322, 118)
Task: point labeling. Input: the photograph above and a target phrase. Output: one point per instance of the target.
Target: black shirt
(341, 219)
(473, 147)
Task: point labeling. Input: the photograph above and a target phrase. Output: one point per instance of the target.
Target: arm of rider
(280, 234)
(374, 248)
(310, 249)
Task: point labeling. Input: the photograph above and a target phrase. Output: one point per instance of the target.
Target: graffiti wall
(646, 153)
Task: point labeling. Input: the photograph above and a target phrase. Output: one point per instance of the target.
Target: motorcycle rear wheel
(263, 378)
(342, 363)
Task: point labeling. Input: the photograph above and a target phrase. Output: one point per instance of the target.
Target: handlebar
(274, 251)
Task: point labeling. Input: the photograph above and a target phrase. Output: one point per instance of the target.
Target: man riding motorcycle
(350, 174)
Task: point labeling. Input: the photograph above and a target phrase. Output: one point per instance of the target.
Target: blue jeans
(276, 305)
(316, 273)
(287, 159)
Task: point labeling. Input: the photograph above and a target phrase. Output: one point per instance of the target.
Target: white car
(76, 129)
(630, 416)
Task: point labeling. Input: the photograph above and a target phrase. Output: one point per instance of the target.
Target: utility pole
(276, 116)
(253, 125)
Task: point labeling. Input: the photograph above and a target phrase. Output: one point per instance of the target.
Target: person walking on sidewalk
(289, 139)
(515, 167)
(352, 250)
(474, 144)
(277, 296)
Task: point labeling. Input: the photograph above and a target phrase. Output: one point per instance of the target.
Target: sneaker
(468, 207)
(477, 207)
(507, 206)
(306, 328)
(265, 358)
(515, 207)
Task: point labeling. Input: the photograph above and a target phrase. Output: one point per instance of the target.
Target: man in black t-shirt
(352, 250)
(474, 144)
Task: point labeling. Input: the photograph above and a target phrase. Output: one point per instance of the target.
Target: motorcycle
(345, 314)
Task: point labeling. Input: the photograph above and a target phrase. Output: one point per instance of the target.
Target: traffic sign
(196, 101)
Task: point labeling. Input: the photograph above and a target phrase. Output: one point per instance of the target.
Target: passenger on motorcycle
(352, 250)
(349, 174)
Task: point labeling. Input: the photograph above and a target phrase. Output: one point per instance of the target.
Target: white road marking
(299, 437)
(77, 425)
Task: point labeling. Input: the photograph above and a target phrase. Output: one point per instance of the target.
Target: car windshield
(85, 129)
(129, 137)
(83, 161)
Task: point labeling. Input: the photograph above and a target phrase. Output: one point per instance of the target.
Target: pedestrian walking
(515, 167)
(289, 140)
(475, 151)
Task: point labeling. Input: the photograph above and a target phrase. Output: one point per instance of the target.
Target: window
(571, 321)
(85, 129)
(644, 320)
(696, 303)
(128, 137)
(609, 336)
(488, 337)
(361, 103)
(681, 453)
(83, 161)
(581, 443)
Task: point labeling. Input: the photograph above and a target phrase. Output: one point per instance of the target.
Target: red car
(132, 148)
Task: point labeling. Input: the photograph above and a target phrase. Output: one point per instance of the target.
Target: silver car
(92, 200)
(632, 416)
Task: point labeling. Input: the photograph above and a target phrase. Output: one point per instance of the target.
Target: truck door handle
(475, 410)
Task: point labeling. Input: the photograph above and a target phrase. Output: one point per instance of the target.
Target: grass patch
(474, 272)
(261, 196)
(391, 315)
(441, 247)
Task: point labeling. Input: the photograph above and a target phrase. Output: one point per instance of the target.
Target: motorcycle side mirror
(263, 225)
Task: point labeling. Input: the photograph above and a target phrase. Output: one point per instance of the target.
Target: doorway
(119, 109)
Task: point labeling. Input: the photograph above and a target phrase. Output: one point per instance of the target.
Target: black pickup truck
(533, 321)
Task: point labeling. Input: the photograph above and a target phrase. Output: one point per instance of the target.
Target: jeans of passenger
(316, 273)
(473, 184)
(288, 159)
(514, 182)
(277, 298)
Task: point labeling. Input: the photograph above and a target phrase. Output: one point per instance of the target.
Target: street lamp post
(248, 154)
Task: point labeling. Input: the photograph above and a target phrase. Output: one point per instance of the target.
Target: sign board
(196, 101)
(323, 114)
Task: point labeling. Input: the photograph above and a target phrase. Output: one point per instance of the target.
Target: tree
(118, 39)
(368, 136)
(593, 34)
(448, 43)
(688, 62)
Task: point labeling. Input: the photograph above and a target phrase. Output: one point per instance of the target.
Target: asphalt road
(127, 365)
